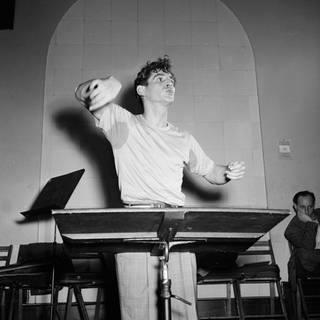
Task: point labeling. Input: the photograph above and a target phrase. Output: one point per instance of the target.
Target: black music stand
(161, 231)
(54, 195)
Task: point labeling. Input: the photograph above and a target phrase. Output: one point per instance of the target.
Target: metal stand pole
(165, 290)
(52, 300)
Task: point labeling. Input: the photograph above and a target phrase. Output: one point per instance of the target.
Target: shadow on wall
(95, 146)
(129, 100)
(201, 190)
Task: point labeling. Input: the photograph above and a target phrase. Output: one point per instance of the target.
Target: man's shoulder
(117, 110)
(112, 115)
(295, 222)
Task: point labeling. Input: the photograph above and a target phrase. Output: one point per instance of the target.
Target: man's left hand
(235, 170)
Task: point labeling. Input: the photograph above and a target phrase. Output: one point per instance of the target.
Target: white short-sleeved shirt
(150, 160)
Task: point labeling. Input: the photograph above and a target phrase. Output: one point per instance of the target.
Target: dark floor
(206, 310)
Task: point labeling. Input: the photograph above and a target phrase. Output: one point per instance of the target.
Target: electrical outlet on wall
(284, 149)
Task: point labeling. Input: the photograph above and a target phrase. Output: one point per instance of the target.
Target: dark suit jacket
(302, 235)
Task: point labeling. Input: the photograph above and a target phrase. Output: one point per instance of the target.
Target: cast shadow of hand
(201, 191)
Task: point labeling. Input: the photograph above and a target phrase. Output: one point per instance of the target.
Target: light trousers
(138, 280)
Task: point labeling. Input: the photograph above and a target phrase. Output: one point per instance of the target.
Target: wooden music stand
(161, 231)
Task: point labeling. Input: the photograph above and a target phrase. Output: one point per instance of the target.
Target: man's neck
(156, 114)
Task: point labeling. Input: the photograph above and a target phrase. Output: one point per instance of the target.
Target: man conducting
(150, 154)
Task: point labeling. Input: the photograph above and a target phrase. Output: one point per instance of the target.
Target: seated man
(303, 233)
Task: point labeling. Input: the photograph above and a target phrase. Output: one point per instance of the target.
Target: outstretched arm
(222, 174)
(96, 94)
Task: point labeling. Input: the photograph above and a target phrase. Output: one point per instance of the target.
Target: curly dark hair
(303, 194)
(162, 64)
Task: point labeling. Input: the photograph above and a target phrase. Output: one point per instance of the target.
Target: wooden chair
(229, 280)
(5, 258)
(5, 255)
(90, 272)
(60, 271)
(18, 278)
(76, 282)
(263, 270)
(32, 276)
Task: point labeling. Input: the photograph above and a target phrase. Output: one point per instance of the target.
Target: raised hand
(235, 170)
(97, 93)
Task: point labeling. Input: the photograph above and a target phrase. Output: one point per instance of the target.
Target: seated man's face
(305, 205)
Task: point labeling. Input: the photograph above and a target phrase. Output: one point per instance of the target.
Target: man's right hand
(97, 93)
(304, 217)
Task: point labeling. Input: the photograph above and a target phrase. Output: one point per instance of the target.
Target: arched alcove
(216, 97)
